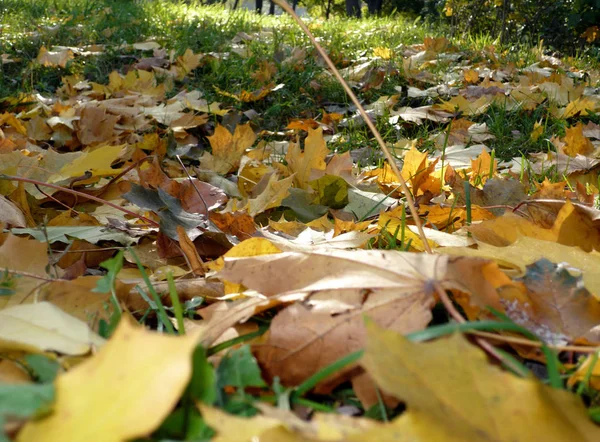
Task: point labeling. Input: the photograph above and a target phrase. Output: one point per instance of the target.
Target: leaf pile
(282, 288)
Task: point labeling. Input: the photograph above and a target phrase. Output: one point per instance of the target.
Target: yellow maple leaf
(470, 76)
(461, 104)
(188, 61)
(576, 142)
(436, 45)
(523, 408)
(227, 149)
(247, 248)
(97, 163)
(580, 106)
(12, 121)
(248, 96)
(300, 163)
(382, 52)
(392, 222)
(274, 193)
(265, 72)
(591, 34)
(417, 170)
(538, 130)
(482, 169)
(571, 227)
(135, 368)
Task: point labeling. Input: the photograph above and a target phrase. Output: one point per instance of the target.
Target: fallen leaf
(486, 403)
(10, 214)
(551, 303)
(526, 250)
(54, 58)
(228, 149)
(23, 255)
(399, 297)
(572, 227)
(47, 328)
(135, 380)
(576, 142)
(272, 196)
(302, 162)
(96, 162)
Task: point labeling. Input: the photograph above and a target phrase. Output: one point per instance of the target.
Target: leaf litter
(296, 278)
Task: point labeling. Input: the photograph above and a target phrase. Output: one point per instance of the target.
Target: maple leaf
(417, 170)
(487, 404)
(96, 162)
(302, 162)
(482, 168)
(227, 149)
(135, 368)
(249, 96)
(96, 126)
(54, 58)
(265, 72)
(552, 304)
(470, 76)
(26, 255)
(461, 104)
(537, 131)
(572, 226)
(381, 52)
(330, 324)
(576, 142)
(274, 193)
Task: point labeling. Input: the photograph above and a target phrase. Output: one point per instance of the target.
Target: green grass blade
(162, 313)
(176, 304)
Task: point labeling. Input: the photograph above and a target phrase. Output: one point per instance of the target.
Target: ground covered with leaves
(202, 240)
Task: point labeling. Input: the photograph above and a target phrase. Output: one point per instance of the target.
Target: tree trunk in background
(271, 8)
(294, 4)
(259, 5)
(353, 8)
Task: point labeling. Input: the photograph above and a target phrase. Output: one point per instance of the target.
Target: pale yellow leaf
(47, 328)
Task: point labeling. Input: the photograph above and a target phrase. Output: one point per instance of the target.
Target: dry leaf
(47, 328)
(227, 149)
(135, 381)
(473, 401)
(301, 163)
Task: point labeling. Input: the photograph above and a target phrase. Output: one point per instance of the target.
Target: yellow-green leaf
(123, 392)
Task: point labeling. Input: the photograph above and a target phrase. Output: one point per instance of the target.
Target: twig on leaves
(455, 314)
(529, 343)
(30, 275)
(409, 199)
(81, 194)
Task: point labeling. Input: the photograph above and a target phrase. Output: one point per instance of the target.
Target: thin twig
(194, 185)
(31, 275)
(529, 343)
(409, 199)
(57, 201)
(455, 314)
(81, 194)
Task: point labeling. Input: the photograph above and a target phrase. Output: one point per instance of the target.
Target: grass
(27, 25)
